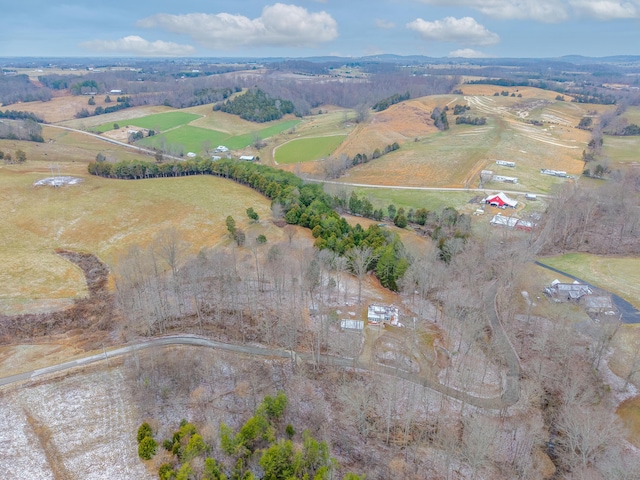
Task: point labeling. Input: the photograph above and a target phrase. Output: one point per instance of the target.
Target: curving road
(509, 396)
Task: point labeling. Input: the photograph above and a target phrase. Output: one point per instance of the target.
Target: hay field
(308, 149)
(102, 216)
(622, 149)
(619, 275)
(63, 147)
(399, 123)
(454, 158)
(159, 121)
(59, 109)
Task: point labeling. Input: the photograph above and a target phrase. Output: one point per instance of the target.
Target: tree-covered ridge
(257, 106)
(392, 100)
(262, 448)
(302, 204)
(21, 130)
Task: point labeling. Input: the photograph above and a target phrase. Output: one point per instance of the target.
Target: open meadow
(158, 121)
(455, 157)
(104, 217)
(307, 149)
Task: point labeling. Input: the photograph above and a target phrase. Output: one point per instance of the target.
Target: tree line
(301, 204)
(26, 129)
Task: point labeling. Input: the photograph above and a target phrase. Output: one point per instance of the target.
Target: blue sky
(255, 28)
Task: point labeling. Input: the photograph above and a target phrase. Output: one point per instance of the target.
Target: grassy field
(102, 216)
(619, 275)
(622, 149)
(454, 158)
(159, 121)
(308, 149)
(193, 137)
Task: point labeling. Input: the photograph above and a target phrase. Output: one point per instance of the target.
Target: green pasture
(622, 149)
(307, 149)
(633, 115)
(619, 275)
(382, 197)
(160, 121)
(193, 137)
(190, 137)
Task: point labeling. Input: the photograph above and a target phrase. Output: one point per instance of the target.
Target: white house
(247, 158)
(377, 314)
(221, 149)
(191, 155)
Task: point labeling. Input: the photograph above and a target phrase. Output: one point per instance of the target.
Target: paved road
(630, 314)
(509, 396)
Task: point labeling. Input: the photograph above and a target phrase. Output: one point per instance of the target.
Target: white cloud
(543, 10)
(467, 53)
(548, 11)
(458, 30)
(385, 24)
(279, 25)
(606, 9)
(135, 45)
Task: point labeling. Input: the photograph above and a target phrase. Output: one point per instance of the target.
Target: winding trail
(509, 396)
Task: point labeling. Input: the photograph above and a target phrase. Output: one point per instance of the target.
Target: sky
(303, 28)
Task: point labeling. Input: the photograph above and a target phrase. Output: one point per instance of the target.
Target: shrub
(144, 431)
(147, 448)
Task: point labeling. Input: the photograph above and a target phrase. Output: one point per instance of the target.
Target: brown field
(104, 217)
(62, 108)
(399, 123)
(65, 147)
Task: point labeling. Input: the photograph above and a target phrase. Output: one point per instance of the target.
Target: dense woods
(256, 106)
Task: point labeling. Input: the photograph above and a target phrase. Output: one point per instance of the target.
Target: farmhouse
(500, 200)
(221, 149)
(191, 155)
(563, 292)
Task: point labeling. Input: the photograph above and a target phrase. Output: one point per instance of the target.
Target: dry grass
(455, 157)
(629, 412)
(60, 109)
(104, 217)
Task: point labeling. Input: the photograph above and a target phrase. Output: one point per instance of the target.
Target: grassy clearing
(622, 149)
(619, 275)
(159, 121)
(308, 149)
(104, 217)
